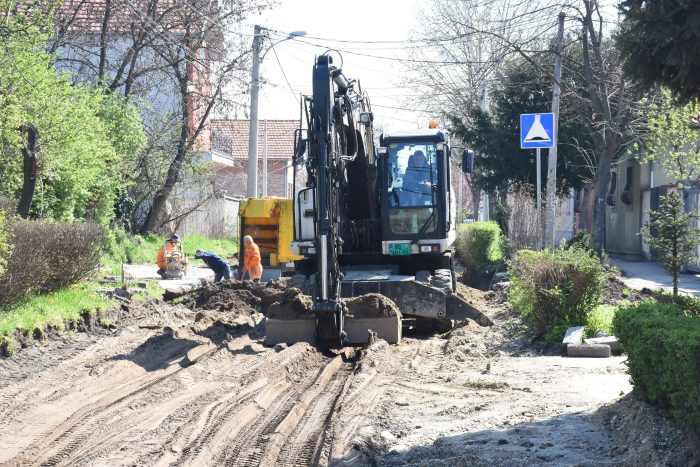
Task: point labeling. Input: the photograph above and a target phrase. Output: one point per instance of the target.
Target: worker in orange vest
(169, 245)
(251, 260)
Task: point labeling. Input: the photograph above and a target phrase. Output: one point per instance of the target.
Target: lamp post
(252, 190)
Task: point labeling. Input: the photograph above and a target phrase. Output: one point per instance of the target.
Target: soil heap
(372, 305)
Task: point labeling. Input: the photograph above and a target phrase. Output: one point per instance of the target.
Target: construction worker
(170, 244)
(217, 264)
(251, 260)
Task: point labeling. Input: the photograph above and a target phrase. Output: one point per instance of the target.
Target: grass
(600, 319)
(142, 249)
(52, 309)
(153, 290)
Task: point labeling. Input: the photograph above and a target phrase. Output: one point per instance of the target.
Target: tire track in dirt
(237, 404)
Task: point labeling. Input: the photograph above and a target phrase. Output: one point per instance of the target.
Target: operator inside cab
(413, 185)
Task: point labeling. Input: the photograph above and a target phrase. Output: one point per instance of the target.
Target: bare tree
(176, 57)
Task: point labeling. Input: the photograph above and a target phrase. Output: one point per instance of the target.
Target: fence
(216, 218)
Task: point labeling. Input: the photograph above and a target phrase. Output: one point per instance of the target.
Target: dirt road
(174, 385)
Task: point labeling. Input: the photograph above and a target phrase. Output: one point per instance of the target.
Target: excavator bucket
(364, 316)
(378, 309)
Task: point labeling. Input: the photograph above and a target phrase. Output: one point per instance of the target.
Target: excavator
(371, 218)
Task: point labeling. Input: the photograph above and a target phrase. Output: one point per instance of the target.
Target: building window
(626, 196)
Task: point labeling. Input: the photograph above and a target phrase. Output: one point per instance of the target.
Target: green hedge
(562, 287)
(663, 348)
(479, 246)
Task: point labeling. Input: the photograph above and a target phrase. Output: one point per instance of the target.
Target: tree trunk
(599, 206)
(173, 174)
(476, 202)
(29, 171)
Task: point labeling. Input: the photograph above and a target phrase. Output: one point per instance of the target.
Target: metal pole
(264, 171)
(252, 191)
(539, 183)
(550, 224)
(539, 196)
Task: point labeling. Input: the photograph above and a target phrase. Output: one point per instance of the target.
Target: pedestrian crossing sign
(537, 131)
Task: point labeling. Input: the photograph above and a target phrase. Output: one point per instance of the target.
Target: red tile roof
(231, 137)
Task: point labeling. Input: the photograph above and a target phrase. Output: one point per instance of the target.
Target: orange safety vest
(252, 256)
(160, 259)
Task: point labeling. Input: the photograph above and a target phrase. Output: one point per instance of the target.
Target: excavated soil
(372, 305)
(291, 304)
(192, 383)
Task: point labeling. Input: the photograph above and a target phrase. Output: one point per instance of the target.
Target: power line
(284, 74)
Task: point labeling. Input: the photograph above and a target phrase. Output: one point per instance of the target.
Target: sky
(366, 23)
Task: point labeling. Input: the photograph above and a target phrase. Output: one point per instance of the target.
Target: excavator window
(413, 185)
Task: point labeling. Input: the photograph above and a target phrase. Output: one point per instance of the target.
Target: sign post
(537, 132)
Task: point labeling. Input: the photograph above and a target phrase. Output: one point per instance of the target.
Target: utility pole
(252, 191)
(550, 228)
(485, 107)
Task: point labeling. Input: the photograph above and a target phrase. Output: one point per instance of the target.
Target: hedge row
(663, 348)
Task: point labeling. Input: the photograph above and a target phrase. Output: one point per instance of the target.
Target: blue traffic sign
(537, 131)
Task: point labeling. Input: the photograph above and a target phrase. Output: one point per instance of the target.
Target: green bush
(5, 246)
(561, 287)
(479, 246)
(663, 348)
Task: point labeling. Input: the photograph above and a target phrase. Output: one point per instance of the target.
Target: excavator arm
(334, 142)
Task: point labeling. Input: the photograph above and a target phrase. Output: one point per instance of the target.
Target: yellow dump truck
(270, 221)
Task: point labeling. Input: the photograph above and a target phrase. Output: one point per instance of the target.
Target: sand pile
(290, 304)
(372, 305)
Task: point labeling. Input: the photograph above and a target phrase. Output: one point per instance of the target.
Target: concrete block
(588, 350)
(609, 341)
(357, 329)
(289, 331)
(574, 335)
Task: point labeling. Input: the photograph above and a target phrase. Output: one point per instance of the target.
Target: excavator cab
(418, 215)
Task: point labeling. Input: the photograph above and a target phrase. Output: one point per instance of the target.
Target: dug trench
(191, 382)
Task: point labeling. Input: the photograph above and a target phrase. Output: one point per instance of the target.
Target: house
(229, 139)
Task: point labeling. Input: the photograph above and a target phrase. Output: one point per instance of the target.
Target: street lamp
(252, 191)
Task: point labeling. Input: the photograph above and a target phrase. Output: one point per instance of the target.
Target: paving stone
(588, 350)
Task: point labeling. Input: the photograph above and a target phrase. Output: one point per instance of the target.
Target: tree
(520, 88)
(660, 44)
(68, 141)
(601, 95)
(671, 140)
(671, 235)
(176, 57)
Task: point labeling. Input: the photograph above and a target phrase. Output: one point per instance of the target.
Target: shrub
(479, 246)
(5, 247)
(558, 287)
(663, 349)
(49, 256)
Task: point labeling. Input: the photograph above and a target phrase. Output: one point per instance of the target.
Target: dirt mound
(616, 291)
(657, 440)
(225, 296)
(290, 304)
(372, 305)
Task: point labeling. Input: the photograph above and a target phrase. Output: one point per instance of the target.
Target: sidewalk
(646, 274)
(196, 273)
